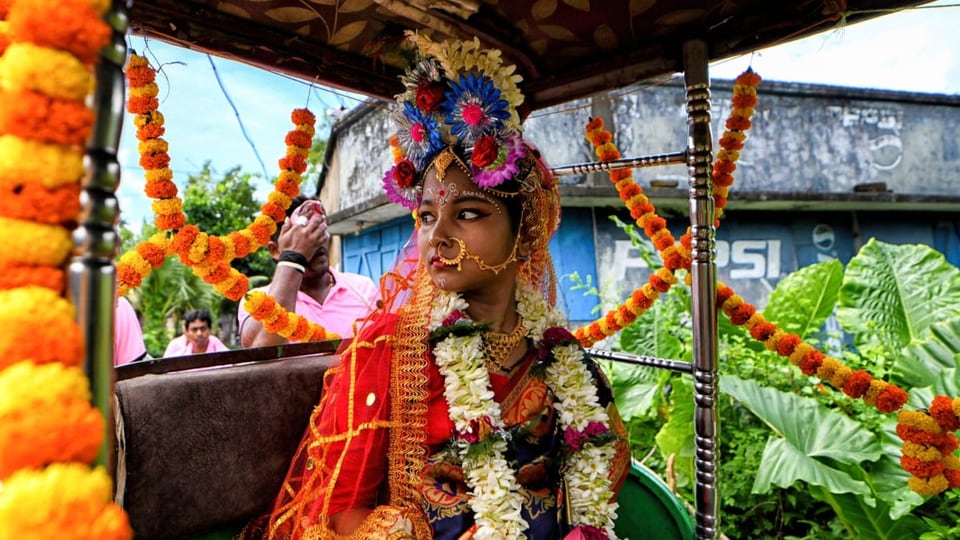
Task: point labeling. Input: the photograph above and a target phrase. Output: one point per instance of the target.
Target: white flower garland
(495, 497)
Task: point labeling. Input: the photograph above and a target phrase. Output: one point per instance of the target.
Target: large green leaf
(891, 294)
(804, 300)
(635, 388)
(870, 522)
(805, 431)
(676, 436)
(924, 362)
(783, 464)
(804, 423)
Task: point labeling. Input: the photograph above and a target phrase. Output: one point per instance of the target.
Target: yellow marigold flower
(956, 406)
(667, 275)
(59, 74)
(773, 340)
(928, 486)
(146, 90)
(66, 500)
(153, 146)
(137, 262)
(28, 242)
(297, 151)
(307, 128)
(279, 198)
(826, 369)
(158, 175)
(167, 206)
(198, 249)
(921, 451)
(919, 420)
(728, 155)
(840, 377)
(51, 164)
(951, 462)
(26, 384)
(155, 117)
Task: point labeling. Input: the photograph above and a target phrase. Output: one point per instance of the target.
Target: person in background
(196, 338)
(127, 334)
(305, 283)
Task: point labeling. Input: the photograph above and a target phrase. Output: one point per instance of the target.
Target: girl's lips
(436, 263)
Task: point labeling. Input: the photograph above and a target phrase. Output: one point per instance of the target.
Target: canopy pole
(92, 277)
(703, 272)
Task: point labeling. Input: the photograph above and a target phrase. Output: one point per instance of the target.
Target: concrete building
(824, 169)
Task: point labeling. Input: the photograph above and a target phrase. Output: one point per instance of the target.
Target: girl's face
(464, 235)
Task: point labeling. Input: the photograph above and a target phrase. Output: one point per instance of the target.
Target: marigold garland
(49, 430)
(207, 255)
(264, 308)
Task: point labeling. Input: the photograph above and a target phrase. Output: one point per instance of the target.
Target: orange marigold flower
(41, 338)
(953, 477)
(241, 244)
(598, 138)
(152, 253)
(140, 75)
(663, 241)
(611, 320)
(596, 333)
(787, 344)
(744, 101)
(857, 383)
(293, 163)
(941, 409)
(594, 124)
(653, 225)
(275, 325)
(731, 143)
(742, 313)
(763, 331)
(274, 211)
(748, 78)
(169, 222)
(150, 131)
(32, 201)
(720, 201)
(919, 436)
(724, 292)
(42, 118)
(630, 191)
(74, 26)
(158, 160)
(658, 283)
(288, 183)
(261, 233)
(811, 362)
(298, 138)
(302, 116)
(141, 104)
(892, 398)
(128, 276)
(301, 331)
(919, 468)
(605, 153)
(162, 189)
(738, 123)
(949, 444)
(183, 240)
(57, 432)
(14, 275)
(620, 175)
(626, 315)
(723, 167)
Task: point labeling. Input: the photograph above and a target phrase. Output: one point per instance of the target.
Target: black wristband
(294, 257)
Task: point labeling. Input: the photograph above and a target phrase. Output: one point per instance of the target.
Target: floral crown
(457, 96)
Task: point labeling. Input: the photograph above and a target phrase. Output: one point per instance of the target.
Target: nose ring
(458, 260)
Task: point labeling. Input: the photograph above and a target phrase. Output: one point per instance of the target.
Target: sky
(917, 50)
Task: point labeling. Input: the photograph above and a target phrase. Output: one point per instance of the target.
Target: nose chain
(497, 347)
(464, 253)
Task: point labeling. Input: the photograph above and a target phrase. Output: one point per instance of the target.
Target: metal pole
(92, 279)
(703, 272)
(617, 164)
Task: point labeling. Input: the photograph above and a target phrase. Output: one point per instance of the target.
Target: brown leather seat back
(203, 448)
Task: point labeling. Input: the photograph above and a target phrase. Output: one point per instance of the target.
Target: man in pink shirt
(196, 338)
(127, 335)
(305, 283)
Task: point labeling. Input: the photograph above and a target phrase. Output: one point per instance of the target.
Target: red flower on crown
(485, 152)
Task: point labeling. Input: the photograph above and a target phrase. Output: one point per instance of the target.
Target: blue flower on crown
(418, 135)
(473, 108)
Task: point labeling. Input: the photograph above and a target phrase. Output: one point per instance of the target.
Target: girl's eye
(469, 214)
(426, 217)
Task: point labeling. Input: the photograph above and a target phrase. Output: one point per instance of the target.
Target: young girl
(466, 411)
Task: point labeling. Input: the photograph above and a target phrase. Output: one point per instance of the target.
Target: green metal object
(649, 510)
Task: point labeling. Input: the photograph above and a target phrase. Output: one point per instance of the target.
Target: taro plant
(799, 460)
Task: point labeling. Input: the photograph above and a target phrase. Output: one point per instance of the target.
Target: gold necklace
(497, 347)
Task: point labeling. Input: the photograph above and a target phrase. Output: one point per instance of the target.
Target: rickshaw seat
(206, 448)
